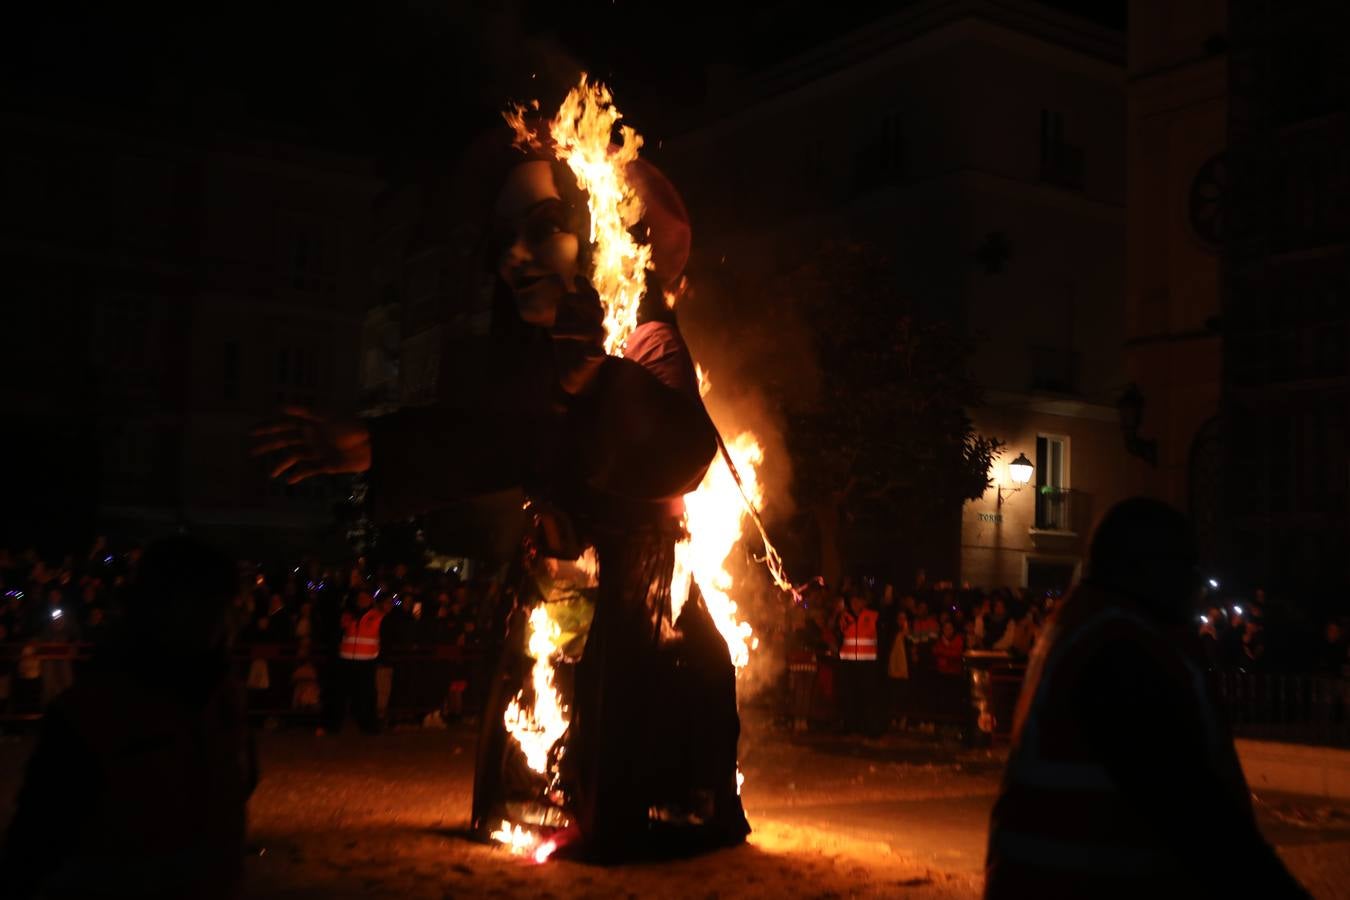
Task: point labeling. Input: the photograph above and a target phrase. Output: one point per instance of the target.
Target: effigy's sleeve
(658, 441)
(481, 438)
(660, 349)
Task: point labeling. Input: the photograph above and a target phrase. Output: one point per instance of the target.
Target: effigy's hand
(309, 444)
(579, 338)
(578, 363)
(580, 315)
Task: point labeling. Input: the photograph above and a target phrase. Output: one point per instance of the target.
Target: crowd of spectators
(923, 636)
(290, 623)
(287, 624)
(1242, 635)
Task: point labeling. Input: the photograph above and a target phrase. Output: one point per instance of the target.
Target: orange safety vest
(1061, 819)
(361, 638)
(860, 636)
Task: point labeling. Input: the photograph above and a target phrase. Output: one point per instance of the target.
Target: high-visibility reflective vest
(1061, 819)
(361, 638)
(860, 636)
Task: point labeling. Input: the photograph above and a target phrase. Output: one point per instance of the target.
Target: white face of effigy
(538, 254)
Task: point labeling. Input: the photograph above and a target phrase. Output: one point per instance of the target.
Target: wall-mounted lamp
(1020, 471)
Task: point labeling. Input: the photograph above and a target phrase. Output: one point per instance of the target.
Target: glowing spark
(544, 851)
(589, 563)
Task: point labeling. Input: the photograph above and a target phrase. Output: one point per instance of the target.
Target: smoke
(759, 354)
(751, 360)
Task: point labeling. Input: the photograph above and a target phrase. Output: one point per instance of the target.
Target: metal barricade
(1310, 709)
(995, 679)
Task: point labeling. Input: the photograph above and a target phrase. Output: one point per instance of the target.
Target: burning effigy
(610, 723)
(611, 726)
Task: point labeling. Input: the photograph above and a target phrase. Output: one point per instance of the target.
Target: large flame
(714, 515)
(582, 131)
(582, 137)
(582, 134)
(538, 727)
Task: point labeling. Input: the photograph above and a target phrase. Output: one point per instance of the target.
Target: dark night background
(930, 237)
(401, 79)
(385, 95)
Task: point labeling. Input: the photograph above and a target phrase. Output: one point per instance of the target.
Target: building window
(26, 188)
(229, 376)
(1061, 162)
(813, 160)
(891, 160)
(125, 345)
(1054, 369)
(301, 262)
(297, 375)
(1049, 576)
(129, 451)
(1053, 512)
(308, 254)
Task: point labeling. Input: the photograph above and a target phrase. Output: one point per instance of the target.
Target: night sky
(398, 79)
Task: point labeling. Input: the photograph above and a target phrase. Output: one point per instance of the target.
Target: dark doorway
(1043, 575)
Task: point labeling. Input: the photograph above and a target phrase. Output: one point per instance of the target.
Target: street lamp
(1020, 471)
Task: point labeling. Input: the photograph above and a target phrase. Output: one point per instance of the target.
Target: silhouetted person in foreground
(1123, 780)
(140, 778)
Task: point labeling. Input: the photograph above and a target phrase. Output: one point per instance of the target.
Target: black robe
(653, 711)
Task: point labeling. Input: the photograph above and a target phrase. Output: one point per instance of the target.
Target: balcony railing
(1054, 509)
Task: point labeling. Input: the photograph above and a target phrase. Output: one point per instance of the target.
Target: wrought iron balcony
(1054, 508)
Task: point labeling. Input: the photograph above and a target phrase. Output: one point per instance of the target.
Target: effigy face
(535, 251)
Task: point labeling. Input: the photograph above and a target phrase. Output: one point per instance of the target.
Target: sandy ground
(384, 816)
(354, 816)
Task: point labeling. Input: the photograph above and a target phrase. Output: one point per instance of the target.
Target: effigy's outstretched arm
(482, 435)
